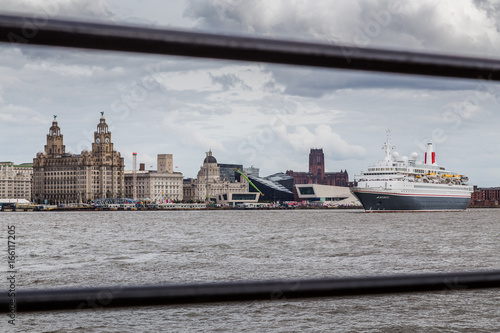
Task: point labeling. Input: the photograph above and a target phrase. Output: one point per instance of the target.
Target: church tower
(54, 146)
(317, 164)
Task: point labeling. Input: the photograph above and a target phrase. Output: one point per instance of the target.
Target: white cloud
(322, 136)
(298, 18)
(190, 134)
(19, 115)
(450, 26)
(64, 70)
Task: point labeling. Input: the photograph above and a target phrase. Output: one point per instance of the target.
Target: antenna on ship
(387, 147)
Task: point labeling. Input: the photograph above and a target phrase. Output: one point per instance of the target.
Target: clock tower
(102, 138)
(61, 177)
(54, 146)
(108, 167)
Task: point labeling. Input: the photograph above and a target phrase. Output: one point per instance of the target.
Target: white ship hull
(397, 196)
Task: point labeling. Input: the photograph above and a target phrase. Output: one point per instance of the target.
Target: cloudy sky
(258, 114)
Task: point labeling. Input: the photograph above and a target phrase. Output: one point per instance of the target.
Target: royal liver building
(61, 177)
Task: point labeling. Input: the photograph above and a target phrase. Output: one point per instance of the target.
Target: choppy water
(61, 249)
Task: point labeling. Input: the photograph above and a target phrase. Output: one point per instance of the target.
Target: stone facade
(209, 184)
(15, 180)
(163, 185)
(165, 163)
(61, 177)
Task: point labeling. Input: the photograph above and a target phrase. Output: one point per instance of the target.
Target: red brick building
(489, 196)
(317, 174)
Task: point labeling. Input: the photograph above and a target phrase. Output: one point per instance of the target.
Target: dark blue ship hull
(393, 202)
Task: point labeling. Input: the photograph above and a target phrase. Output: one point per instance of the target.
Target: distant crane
(249, 181)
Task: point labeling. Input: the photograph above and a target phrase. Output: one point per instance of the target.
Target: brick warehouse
(485, 197)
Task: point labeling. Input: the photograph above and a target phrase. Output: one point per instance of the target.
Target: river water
(77, 249)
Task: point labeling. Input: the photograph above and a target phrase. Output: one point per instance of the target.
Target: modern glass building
(235, 199)
(228, 172)
(272, 190)
(326, 195)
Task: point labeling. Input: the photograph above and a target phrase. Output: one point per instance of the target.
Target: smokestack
(134, 176)
(430, 155)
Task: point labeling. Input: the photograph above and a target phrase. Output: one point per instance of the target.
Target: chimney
(430, 155)
(142, 167)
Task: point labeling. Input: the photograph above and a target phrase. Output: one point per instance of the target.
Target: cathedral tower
(317, 164)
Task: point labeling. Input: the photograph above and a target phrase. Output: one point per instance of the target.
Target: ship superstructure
(396, 184)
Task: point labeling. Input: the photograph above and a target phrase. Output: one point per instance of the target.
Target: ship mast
(387, 147)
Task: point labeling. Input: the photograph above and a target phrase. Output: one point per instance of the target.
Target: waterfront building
(485, 196)
(209, 184)
(247, 199)
(15, 180)
(317, 173)
(326, 195)
(272, 189)
(282, 179)
(160, 185)
(188, 189)
(61, 177)
(228, 172)
(252, 171)
(165, 163)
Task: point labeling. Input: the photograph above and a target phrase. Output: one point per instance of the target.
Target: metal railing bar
(132, 296)
(180, 43)
(194, 44)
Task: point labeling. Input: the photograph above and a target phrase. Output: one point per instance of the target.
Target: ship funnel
(430, 155)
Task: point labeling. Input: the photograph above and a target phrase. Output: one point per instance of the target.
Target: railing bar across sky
(112, 37)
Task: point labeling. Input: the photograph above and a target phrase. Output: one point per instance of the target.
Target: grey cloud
(300, 19)
(426, 26)
(491, 8)
(38, 11)
(228, 81)
(318, 82)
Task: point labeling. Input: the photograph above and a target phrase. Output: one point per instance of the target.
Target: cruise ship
(405, 184)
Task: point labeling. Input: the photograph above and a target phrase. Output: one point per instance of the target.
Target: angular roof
(278, 176)
(270, 183)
